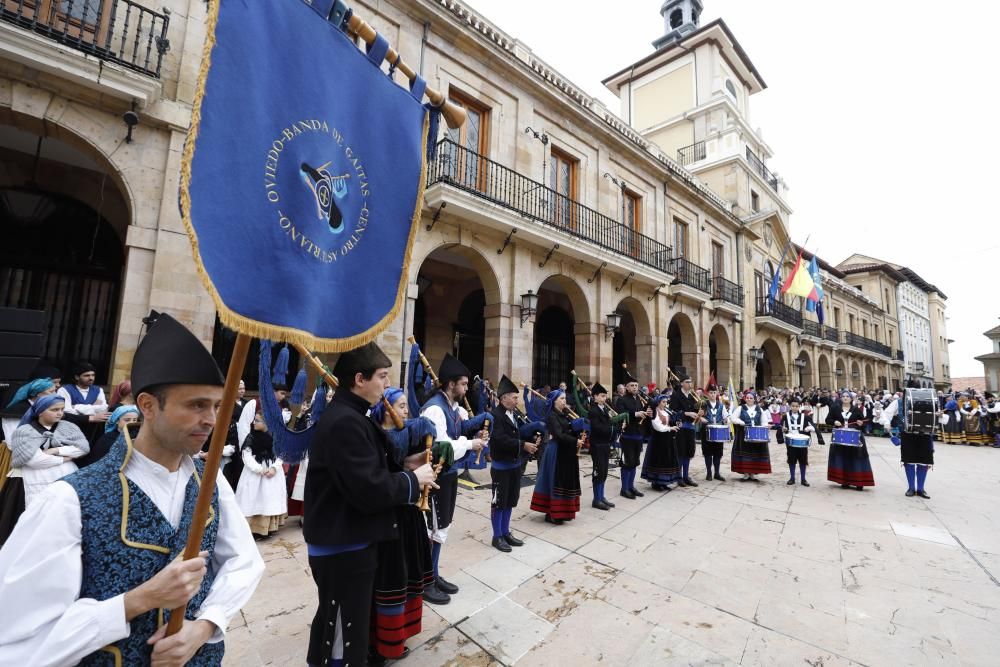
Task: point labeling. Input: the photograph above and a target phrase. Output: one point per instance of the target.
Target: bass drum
(921, 410)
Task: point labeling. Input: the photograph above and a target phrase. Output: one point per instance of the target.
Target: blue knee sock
(631, 478)
(685, 466)
(791, 471)
(496, 518)
(597, 491)
(921, 477)
(505, 521)
(601, 496)
(911, 474)
(626, 485)
(435, 556)
(802, 471)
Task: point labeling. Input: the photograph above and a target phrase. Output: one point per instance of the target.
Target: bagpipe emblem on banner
(304, 168)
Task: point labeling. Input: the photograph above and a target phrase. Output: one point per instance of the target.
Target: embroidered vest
(125, 540)
(714, 415)
(758, 419)
(451, 415)
(80, 399)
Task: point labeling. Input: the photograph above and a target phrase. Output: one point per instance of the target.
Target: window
(471, 144)
(731, 89)
(850, 322)
(836, 318)
(888, 303)
(680, 238)
(562, 179)
(876, 333)
(632, 204)
(754, 202)
(718, 260)
(864, 328)
(87, 21)
(676, 18)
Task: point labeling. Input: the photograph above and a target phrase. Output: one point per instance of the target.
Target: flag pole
(211, 472)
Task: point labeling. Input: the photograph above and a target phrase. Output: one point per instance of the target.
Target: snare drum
(921, 407)
(757, 434)
(796, 440)
(849, 437)
(718, 433)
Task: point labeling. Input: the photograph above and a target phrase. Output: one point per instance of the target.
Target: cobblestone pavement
(726, 573)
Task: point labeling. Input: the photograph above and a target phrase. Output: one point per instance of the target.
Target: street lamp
(755, 354)
(613, 325)
(529, 306)
(801, 363)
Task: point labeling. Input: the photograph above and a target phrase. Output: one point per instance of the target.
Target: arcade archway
(632, 344)
(557, 343)
(826, 378)
(771, 368)
(804, 370)
(720, 355)
(682, 346)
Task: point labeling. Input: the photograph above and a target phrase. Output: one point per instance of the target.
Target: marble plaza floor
(726, 573)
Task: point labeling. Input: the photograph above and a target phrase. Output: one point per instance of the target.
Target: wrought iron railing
(692, 153)
(727, 291)
(118, 31)
(810, 328)
(489, 180)
(758, 166)
(767, 307)
(863, 343)
(831, 334)
(899, 355)
(689, 273)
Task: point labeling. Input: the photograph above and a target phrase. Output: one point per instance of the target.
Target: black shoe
(805, 483)
(638, 494)
(627, 494)
(910, 493)
(375, 659)
(923, 494)
(446, 586)
(607, 502)
(690, 482)
(680, 482)
(845, 486)
(708, 477)
(500, 544)
(549, 519)
(720, 477)
(791, 482)
(434, 595)
(598, 505)
(860, 488)
(513, 541)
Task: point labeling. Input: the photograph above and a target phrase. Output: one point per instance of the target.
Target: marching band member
(715, 413)
(557, 489)
(848, 466)
(916, 451)
(453, 425)
(601, 434)
(631, 438)
(796, 422)
(749, 458)
(354, 489)
(507, 449)
(951, 423)
(687, 408)
(660, 466)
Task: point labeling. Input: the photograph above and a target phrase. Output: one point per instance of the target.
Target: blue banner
(303, 168)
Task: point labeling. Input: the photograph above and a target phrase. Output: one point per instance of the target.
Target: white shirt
(100, 405)
(41, 566)
(440, 420)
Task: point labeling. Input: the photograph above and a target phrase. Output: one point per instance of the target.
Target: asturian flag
(302, 176)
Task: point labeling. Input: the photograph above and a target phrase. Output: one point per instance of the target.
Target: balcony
(812, 329)
(758, 167)
(116, 31)
(691, 154)
(866, 345)
(727, 296)
(898, 358)
(832, 335)
(775, 315)
(690, 282)
(488, 181)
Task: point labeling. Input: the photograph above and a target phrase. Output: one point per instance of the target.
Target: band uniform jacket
(805, 421)
(836, 414)
(631, 404)
(354, 483)
(505, 441)
(679, 404)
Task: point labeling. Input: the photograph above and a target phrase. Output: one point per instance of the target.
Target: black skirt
(797, 455)
(631, 452)
(710, 448)
(11, 506)
(916, 448)
(506, 487)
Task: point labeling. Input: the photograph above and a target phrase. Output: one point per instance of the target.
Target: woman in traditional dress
(122, 416)
(952, 430)
(973, 415)
(557, 487)
(19, 404)
(849, 466)
(261, 492)
(749, 458)
(661, 465)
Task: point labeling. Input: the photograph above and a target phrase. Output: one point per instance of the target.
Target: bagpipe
(580, 425)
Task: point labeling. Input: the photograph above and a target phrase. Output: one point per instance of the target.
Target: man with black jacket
(352, 491)
(506, 447)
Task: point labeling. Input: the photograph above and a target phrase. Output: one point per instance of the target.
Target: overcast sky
(880, 114)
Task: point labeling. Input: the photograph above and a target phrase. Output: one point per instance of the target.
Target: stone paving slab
(728, 573)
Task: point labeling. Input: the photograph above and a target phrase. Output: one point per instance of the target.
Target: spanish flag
(799, 282)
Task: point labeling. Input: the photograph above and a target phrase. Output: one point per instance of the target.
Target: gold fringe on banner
(241, 323)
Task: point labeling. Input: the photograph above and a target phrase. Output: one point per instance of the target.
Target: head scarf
(31, 389)
(118, 414)
(551, 399)
(392, 395)
(122, 389)
(40, 406)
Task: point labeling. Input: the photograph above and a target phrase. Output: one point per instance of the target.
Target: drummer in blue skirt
(797, 424)
(848, 465)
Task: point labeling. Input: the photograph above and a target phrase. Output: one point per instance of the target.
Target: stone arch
(869, 377)
(553, 355)
(682, 346)
(842, 376)
(472, 259)
(771, 370)
(803, 373)
(856, 377)
(720, 356)
(826, 376)
(574, 292)
(633, 343)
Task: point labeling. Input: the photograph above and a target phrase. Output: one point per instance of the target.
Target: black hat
(81, 367)
(452, 368)
(506, 386)
(362, 359)
(170, 354)
(628, 376)
(597, 389)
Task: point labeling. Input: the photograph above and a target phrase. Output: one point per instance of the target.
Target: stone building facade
(555, 236)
